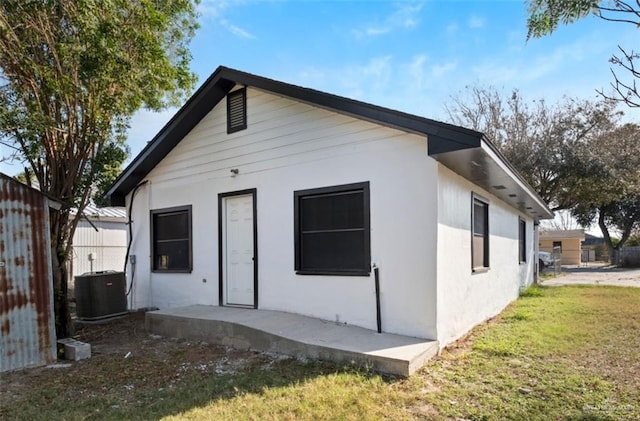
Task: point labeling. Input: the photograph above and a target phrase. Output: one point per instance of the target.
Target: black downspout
(376, 274)
(129, 222)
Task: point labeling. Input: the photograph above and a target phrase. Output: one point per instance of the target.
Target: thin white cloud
(374, 76)
(440, 70)
(373, 31)
(476, 22)
(312, 74)
(576, 69)
(212, 8)
(214, 11)
(415, 86)
(416, 70)
(236, 30)
(362, 81)
(424, 74)
(452, 28)
(407, 16)
(527, 69)
(517, 40)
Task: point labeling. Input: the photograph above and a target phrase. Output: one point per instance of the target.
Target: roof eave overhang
(485, 166)
(464, 151)
(447, 137)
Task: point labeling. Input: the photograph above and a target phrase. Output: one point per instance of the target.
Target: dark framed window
(171, 239)
(479, 234)
(237, 110)
(522, 240)
(332, 230)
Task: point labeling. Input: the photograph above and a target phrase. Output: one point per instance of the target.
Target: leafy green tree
(634, 239)
(546, 15)
(72, 73)
(575, 154)
(545, 142)
(612, 199)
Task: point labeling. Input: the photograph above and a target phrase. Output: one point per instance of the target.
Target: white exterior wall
(291, 146)
(466, 298)
(108, 245)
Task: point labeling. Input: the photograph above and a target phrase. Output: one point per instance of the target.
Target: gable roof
(91, 211)
(456, 147)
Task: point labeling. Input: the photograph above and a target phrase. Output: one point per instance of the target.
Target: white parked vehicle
(545, 259)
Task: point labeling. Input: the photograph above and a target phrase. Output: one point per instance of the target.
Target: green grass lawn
(557, 353)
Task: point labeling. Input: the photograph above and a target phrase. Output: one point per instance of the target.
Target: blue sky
(409, 56)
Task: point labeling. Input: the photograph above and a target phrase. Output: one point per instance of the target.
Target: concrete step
(294, 335)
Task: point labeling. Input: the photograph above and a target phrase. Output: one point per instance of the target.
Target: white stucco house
(264, 195)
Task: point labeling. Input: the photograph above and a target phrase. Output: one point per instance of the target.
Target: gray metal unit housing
(100, 295)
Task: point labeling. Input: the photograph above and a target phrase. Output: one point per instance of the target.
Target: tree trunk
(64, 327)
(606, 235)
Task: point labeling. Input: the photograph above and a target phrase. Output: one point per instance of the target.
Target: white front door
(238, 254)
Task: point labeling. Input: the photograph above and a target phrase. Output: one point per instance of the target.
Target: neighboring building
(100, 241)
(594, 249)
(27, 324)
(261, 194)
(592, 240)
(569, 243)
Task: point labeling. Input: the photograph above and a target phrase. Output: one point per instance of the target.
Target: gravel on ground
(596, 274)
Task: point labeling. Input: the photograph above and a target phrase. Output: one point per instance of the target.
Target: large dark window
(171, 239)
(522, 240)
(480, 234)
(332, 233)
(237, 110)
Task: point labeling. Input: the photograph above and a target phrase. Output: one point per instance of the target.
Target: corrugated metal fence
(27, 332)
(629, 256)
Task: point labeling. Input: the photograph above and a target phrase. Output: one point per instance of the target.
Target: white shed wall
(108, 245)
(291, 146)
(466, 298)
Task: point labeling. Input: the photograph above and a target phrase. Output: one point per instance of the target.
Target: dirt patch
(597, 274)
(125, 357)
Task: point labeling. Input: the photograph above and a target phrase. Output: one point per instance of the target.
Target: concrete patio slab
(294, 335)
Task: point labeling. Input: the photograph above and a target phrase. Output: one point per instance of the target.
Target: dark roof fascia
(515, 173)
(546, 212)
(443, 137)
(486, 167)
(188, 116)
(443, 132)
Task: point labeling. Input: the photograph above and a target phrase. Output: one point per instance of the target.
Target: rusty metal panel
(27, 332)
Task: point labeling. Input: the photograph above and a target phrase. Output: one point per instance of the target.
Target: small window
(557, 245)
(480, 234)
(522, 240)
(332, 233)
(171, 239)
(237, 110)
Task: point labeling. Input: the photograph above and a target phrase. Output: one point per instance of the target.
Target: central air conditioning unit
(100, 295)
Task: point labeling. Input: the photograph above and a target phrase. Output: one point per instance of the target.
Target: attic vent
(237, 110)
